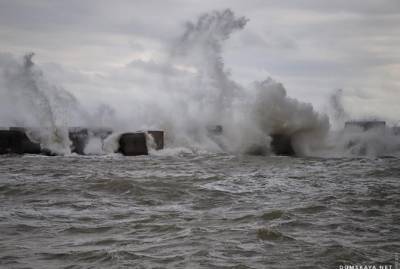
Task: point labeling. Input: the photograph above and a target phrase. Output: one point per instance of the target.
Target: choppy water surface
(197, 211)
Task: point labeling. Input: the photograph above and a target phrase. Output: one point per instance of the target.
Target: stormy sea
(217, 195)
(184, 210)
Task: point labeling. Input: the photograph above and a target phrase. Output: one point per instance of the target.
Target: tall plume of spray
(249, 115)
(204, 96)
(43, 108)
(339, 114)
(202, 44)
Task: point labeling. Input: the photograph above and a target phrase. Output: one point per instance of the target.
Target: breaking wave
(203, 109)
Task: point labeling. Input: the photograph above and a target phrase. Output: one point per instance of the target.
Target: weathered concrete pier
(133, 144)
(17, 140)
(20, 140)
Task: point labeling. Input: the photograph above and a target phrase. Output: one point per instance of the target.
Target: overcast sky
(103, 48)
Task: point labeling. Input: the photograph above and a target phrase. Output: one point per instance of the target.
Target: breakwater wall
(19, 140)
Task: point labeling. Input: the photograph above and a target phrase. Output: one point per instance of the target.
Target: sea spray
(94, 146)
(150, 143)
(353, 140)
(338, 113)
(203, 96)
(249, 115)
(111, 143)
(37, 104)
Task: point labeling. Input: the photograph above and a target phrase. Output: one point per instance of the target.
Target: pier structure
(19, 140)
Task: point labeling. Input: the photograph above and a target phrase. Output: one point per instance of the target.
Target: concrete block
(22, 142)
(133, 144)
(158, 137)
(5, 142)
(282, 145)
(16, 141)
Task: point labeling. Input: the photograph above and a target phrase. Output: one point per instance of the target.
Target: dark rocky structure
(19, 140)
(16, 141)
(365, 125)
(133, 144)
(282, 145)
(158, 137)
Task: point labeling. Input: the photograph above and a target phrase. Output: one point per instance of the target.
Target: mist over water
(202, 96)
(205, 201)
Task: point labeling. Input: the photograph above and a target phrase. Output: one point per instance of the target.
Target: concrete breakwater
(16, 141)
(19, 140)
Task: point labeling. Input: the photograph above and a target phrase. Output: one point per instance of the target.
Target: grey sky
(311, 46)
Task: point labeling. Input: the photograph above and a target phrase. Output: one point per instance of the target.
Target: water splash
(188, 106)
(211, 97)
(339, 114)
(37, 104)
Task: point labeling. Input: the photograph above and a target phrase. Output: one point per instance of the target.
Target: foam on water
(197, 211)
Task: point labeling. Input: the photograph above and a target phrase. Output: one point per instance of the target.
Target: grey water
(198, 211)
